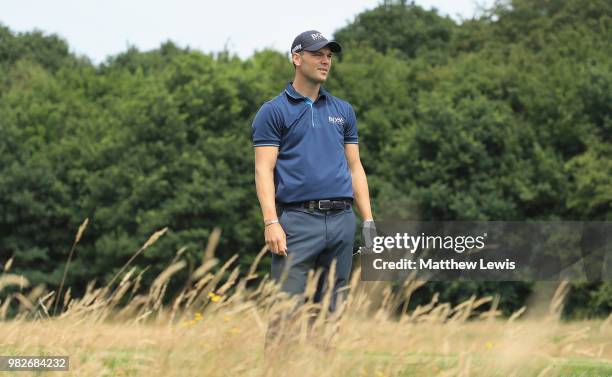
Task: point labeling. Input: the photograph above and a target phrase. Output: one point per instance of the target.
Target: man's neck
(306, 88)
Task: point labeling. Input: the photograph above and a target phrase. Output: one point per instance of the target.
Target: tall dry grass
(216, 326)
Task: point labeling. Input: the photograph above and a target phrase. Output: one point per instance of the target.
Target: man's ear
(296, 57)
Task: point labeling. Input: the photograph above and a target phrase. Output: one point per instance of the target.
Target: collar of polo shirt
(291, 92)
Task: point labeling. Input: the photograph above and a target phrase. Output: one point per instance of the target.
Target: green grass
(416, 362)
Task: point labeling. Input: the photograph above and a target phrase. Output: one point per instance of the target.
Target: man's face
(315, 65)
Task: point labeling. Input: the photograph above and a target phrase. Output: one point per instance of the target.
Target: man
(308, 173)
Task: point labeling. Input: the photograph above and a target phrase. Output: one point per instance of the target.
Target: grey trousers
(314, 240)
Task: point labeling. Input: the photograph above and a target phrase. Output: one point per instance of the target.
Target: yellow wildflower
(214, 297)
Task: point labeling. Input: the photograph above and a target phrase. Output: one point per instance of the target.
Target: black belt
(320, 205)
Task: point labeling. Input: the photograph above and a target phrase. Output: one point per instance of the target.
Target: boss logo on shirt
(316, 36)
(336, 120)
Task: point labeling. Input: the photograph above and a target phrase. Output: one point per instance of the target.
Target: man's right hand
(276, 239)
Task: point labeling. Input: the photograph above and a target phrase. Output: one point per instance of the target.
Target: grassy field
(217, 327)
(231, 344)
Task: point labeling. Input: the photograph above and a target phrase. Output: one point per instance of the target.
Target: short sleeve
(350, 128)
(266, 127)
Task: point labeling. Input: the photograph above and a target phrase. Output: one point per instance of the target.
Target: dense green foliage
(504, 117)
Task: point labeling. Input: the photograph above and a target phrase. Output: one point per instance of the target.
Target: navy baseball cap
(312, 40)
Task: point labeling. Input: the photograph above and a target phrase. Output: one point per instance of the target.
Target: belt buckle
(328, 202)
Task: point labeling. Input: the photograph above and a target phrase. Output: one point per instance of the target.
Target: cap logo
(316, 36)
(297, 48)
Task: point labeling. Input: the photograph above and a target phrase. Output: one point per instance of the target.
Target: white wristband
(270, 222)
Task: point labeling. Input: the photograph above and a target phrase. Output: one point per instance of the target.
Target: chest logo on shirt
(336, 120)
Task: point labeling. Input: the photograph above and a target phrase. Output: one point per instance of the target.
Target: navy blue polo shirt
(310, 137)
